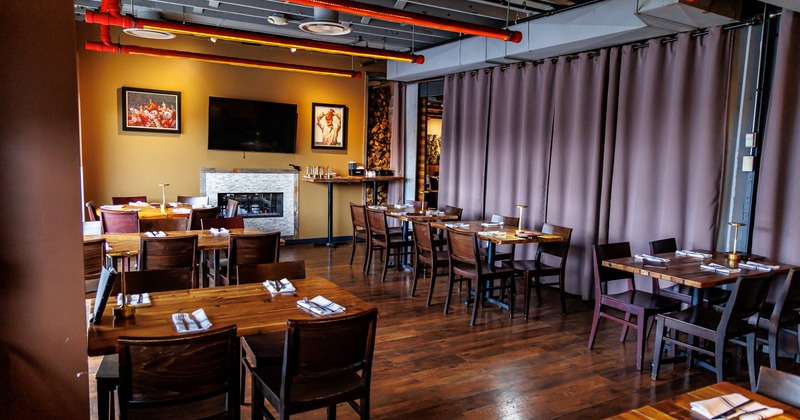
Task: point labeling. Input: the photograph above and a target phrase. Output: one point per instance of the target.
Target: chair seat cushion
(315, 393)
(648, 301)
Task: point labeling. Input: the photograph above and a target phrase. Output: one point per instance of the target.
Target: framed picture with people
(151, 110)
(329, 126)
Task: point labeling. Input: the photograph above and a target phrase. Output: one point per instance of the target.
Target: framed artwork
(157, 111)
(329, 126)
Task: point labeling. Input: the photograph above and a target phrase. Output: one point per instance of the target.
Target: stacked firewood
(379, 135)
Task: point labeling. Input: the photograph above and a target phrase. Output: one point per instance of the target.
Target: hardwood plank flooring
(431, 365)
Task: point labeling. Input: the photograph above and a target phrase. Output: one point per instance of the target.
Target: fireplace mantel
(256, 180)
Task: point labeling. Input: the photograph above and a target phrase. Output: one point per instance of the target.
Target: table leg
(374, 193)
(330, 243)
(217, 269)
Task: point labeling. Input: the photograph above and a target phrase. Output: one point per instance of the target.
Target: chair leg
(242, 376)
(103, 403)
(527, 295)
(368, 258)
(513, 297)
(353, 252)
(538, 284)
(479, 291)
(641, 335)
(416, 274)
(433, 282)
(386, 265)
(332, 412)
(595, 321)
(449, 292)
(773, 347)
(659, 347)
(624, 333)
(562, 293)
(751, 360)
(719, 359)
(257, 402)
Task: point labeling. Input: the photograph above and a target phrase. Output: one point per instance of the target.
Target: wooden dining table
(679, 407)
(154, 211)
(686, 270)
(250, 307)
(408, 214)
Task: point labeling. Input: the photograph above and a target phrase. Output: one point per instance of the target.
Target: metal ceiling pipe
(241, 62)
(251, 37)
(394, 15)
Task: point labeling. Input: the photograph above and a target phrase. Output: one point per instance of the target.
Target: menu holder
(107, 278)
(195, 322)
(138, 300)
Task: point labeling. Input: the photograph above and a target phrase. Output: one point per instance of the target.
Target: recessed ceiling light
(326, 22)
(148, 33)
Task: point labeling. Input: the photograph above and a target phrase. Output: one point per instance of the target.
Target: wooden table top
(250, 307)
(351, 179)
(679, 408)
(505, 234)
(153, 211)
(686, 270)
(128, 243)
(404, 216)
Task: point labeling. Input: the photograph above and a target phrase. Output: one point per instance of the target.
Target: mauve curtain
(574, 187)
(777, 215)
(465, 119)
(520, 130)
(669, 141)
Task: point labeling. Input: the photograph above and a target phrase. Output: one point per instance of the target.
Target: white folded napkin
(219, 232)
(138, 300)
(181, 211)
(396, 213)
(139, 204)
(156, 234)
(752, 265)
(491, 233)
(201, 206)
(112, 207)
(642, 257)
(456, 225)
(434, 213)
(527, 234)
(692, 254)
(194, 322)
(720, 269)
(378, 207)
(286, 287)
(714, 407)
(488, 224)
(320, 306)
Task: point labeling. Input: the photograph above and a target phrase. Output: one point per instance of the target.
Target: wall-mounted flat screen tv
(251, 126)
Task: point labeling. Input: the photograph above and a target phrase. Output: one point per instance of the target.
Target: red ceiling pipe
(130, 49)
(394, 15)
(245, 36)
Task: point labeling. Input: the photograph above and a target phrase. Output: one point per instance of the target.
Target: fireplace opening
(266, 204)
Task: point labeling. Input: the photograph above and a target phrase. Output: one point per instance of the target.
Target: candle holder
(733, 256)
(519, 224)
(163, 197)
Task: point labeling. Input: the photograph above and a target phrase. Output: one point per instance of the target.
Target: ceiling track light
(249, 37)
(240, 62)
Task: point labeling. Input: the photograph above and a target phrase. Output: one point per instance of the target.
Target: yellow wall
(117, 162)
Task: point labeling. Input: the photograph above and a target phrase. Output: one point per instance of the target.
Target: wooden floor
(431, 365)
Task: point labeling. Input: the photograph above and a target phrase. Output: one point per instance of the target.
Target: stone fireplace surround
(257, 180)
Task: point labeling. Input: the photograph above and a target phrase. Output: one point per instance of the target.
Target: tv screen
(252, 126)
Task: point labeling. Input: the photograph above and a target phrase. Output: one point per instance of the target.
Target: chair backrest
(606, 274)
(746, 300)
(453, 211)
(462, 247)
(787, 297)
(232, 208)
(663, 246)
(328, 351)
(423, 234)
(236, 222)
(358, 215)
(197, 215)
(779, 386)
(168, 252)
(555, 249)
(168, 224)
(259, 248)
(94, 259)
(193, 200)
(506, 220)
(130, 199)
(119, 221)
(418, 204)
(91, 209)
(376, 222)
(187, 376)
(257, 273)
(150, 281)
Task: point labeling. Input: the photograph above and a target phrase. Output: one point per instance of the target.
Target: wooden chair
(425, 252)
(466, 263)
(94, 259)
(682, 292)
(534, 269)
(197, 215)
(632, 302)
(188, 376)
(708, 324)
(509, 254)
(168, 224)
(780, 386)
(168, 252)
(219, 258)
(418, 204)
(232, 208)
(119, 221)
(779, 320)
(358, 217)
(453, 211)
(382, 237)
(193, 200)
(259, 248)
(325, 362)
(131, 199)
(91, 209)
(236, 222)
(262, 349)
